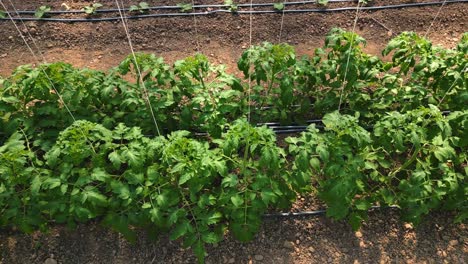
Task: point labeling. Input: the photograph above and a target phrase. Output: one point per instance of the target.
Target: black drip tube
(317, 212)
(115, 10)
(206, 13)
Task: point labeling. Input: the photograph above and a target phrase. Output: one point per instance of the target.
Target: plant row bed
(73, 145)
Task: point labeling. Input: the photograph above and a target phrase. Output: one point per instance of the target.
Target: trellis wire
(282, 21)
(465, 69)
(250, 61)
(196, 29)
(322, 10)
(36, 58)
(349, 56)
(435, 18)
(112, 10)
(145, 91)
(426, 34)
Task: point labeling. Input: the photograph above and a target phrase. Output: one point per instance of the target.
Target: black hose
(115, 10)
(318, 212)
(324, 10)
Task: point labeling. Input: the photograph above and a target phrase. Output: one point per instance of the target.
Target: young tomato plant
(91, 9)
(256, 177)
(208, 97)
(20, 173)
(42, 11)
(153, 89)
(429, 161)
(273, 94)
(334, 161)
(142, 7)
(278, 6)
(185, 7)
(232, 6)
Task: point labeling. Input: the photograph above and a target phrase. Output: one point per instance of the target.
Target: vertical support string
(282, 21)
(250, 61)
(196, 28)
(435, 18)
(145, 91)
(349, 55)
(38, 61)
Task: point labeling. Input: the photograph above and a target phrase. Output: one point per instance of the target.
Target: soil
(223, 37)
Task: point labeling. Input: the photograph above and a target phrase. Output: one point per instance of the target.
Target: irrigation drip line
(281, 129)
(318, 212)
(206, 13)
(151, 8)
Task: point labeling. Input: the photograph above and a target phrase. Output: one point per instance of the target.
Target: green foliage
(42, 11)
(91, 9)
(431, 163)
(256, 177)
(3, 14)
(278, 6)
(412, 160)
(426, 74)
(322, 2)
(232, 6)
(272, 68)
(335, 161)
(142, 7)
(20, 171)
(390, 144)
(185, 7)
(206, 103)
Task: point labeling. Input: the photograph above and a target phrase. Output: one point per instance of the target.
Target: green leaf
(278, 6)
(121, 225)
(51, 183)
(210, 237)
(180, 230)
(199, 251)
(315, 164)
(322, 2)
(444, 153)
(99, 174)
(355, 220)
(121, 190)
(42, 11)
(184, 178)
(214, 218)
(363, 205)
(237, 200)
(115, 158)
(185, 7)
(323, 152)
(35, 184)
(244, 231)
(230, 181)
(268, 196)
(96, 198)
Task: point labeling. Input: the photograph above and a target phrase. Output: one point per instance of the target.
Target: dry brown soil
(383, 239)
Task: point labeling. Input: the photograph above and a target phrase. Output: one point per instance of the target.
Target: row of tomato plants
(106, 166)
(198, 96)
(198, 190)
